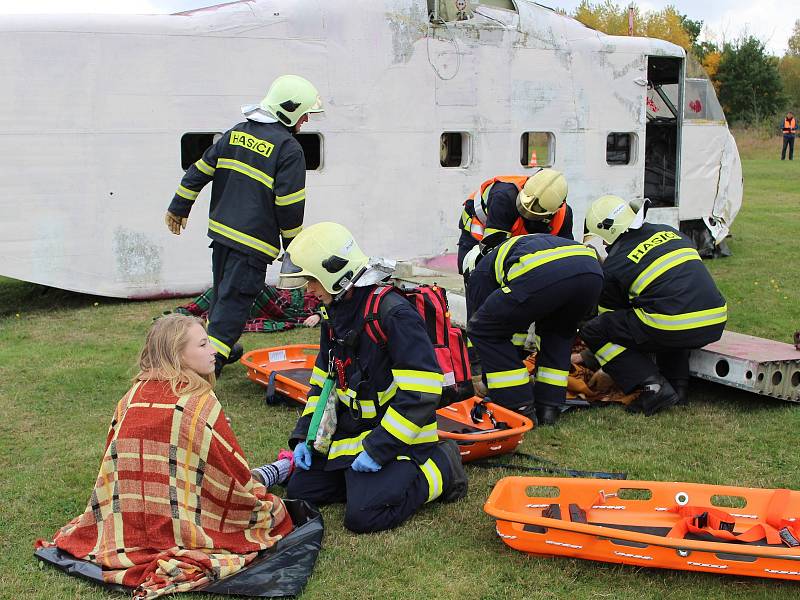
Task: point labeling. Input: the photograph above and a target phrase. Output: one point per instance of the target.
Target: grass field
(65, 360)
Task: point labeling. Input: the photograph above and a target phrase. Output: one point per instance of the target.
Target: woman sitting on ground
(175, 504)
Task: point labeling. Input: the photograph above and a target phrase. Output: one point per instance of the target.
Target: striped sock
(273, 473)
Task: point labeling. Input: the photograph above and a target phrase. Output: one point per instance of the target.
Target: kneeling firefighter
(512, 205)
(377, 449)
(539, 279)
(658, 297)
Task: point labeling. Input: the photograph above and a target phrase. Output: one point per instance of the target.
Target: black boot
(681, 387)
(219, 361)
(457, 488)
(547, 415)
(656, 395)
(235, 354)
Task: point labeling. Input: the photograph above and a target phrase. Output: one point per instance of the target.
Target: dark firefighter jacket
(656, 271)
(526, 264)
(389, 406)
(258, 192)
(502, 216)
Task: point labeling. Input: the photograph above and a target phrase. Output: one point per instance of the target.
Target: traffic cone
(533, 162)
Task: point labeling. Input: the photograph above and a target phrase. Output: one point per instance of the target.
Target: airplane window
(454, 149)
(619, 148)
(193, 145)
(312, 149)
(537, 149)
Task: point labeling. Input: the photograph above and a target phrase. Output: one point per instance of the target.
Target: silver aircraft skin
(103, 112)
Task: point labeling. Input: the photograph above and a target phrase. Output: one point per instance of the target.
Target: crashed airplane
(424, 100)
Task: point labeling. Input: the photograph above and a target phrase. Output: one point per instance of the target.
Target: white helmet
(609, 217)
(542, 195)
(290, 97)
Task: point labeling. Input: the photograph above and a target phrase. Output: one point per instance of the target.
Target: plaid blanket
(174, 505)
(272, 310)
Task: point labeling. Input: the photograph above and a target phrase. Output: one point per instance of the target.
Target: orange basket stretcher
(686, 526)
(286, 371)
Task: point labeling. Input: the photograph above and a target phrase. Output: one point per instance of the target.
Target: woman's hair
(160, 357)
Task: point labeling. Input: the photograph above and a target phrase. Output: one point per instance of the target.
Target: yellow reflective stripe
(406, 431)
(506, 379)
(469, 343)
(519, 339)
(692, 320)
(466, 220)
(608, 352)
(347, 446)
(490, 230)
(205, 167)
(550, 376)
(243, 238)
(499, 273)
(185, 192)
(537, 259)
(387, 394)
(348, 398)
(245, 169)
(660, 266)
(311, 404)
(290, 233)
(434, 477)
(602, 309)
(290, 198)
(418, 381)
(222, 348)
(318, 376)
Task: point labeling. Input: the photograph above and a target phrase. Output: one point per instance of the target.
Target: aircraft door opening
(662, 133)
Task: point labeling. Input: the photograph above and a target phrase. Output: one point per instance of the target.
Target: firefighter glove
(175, 223)
(480, 388)
(364, 463)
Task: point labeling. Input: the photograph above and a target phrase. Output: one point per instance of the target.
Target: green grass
(66, 359)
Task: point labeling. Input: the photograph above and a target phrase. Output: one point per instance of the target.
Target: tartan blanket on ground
(174, 505)
(272, 310)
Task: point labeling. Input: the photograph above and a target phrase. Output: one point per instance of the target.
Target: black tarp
(281, 571)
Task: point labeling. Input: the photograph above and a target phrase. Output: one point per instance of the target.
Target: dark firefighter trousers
(622, 345)
(238, 278)
(373, 501)
(557, 310)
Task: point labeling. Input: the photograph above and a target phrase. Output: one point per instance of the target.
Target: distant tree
(789, 69)
(667, 24)
(692, 28)
(749, 83)
(794, 40)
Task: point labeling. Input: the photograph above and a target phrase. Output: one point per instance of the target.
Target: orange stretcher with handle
(687, 526)
(286, 371)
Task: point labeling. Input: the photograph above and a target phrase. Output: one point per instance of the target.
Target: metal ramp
(757, 365)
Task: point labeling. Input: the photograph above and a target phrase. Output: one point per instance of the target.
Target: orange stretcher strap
(719, 524)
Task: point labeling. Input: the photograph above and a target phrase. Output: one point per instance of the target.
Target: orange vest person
(511, 205)
(789, 131)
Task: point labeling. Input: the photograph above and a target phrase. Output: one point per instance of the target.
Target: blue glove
(365, 464)
(302, 456)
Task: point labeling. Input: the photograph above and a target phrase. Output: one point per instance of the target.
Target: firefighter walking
(541, 279)
(658, 297)
(257, 201)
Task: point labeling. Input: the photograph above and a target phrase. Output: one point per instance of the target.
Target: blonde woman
(175, 504)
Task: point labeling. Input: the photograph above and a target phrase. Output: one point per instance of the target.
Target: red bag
(447, 340)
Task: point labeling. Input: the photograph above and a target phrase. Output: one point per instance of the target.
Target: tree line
(753, 86)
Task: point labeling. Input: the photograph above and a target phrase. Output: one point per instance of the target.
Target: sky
(769, 20)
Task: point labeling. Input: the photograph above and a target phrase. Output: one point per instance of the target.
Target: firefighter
(541, 279)
(258, 195)
(385, 459)
(657, 298)
(511, 205)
